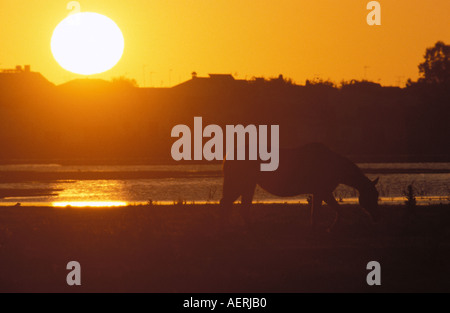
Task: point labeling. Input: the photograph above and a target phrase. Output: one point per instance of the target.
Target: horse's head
(368, 199)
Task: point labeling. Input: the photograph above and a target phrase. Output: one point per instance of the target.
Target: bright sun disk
(87, 43)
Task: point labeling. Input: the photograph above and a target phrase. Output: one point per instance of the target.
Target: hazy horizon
(93, 78)
(167, 40)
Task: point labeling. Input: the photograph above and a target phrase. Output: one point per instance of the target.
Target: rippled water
(430, 188)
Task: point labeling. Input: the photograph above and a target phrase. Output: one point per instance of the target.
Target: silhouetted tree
(124, 81)
(320, 82)
(436, 68)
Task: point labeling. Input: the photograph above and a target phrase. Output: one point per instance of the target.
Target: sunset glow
(215, 149)
(89, 204)
(167, 40)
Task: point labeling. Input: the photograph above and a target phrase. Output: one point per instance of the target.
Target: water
(180, 183)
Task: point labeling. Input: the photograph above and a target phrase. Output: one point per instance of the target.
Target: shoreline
(302, 200)
(20, 176)
(98, 205)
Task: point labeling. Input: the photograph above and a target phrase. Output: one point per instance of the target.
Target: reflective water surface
(429, 187)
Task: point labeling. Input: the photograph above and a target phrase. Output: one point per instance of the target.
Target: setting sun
(87, 43)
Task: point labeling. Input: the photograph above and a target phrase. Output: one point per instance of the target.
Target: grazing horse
(311, 169)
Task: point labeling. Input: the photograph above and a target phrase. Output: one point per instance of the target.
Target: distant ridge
(86, 83)
(21, 80)
(92, 119)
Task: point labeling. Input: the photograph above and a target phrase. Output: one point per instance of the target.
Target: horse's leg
(226, 204)
(316, 204)
(331, 201)
(247, 198)
(230, 193)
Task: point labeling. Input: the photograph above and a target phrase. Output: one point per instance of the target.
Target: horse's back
(303, 169)
(306, 169)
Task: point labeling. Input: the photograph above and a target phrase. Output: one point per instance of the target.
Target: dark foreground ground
(179, 249)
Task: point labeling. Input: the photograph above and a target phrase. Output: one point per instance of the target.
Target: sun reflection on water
(89, 204)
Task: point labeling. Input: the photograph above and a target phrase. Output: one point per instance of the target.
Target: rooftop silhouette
(96, 119)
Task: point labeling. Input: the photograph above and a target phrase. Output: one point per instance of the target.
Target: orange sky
(298, 38)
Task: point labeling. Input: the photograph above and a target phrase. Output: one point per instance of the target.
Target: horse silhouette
(311, 169)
